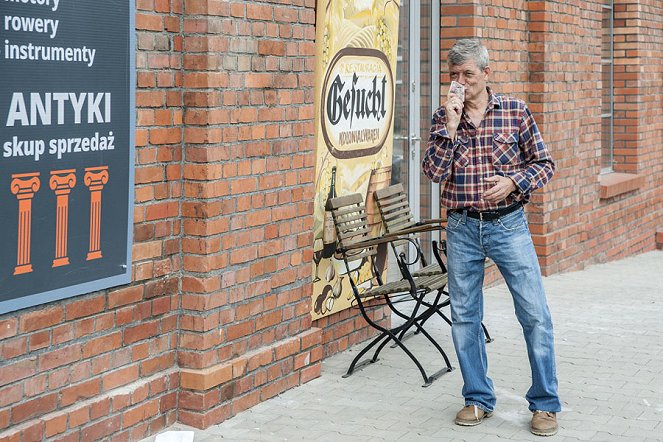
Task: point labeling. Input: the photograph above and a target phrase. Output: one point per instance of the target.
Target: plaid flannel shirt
(506, 143)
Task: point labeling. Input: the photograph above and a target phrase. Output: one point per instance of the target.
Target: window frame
(608, 5)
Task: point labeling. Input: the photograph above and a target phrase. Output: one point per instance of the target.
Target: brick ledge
(206, 378)
(211, 395)
(125, 409)
(613, 184)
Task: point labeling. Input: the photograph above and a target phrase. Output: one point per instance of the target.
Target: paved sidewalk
(609, 337)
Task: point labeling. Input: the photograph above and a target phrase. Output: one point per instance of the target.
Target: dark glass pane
(400, 158)
(606, 89)
(425, 113)
(607, 97)
(606, 143)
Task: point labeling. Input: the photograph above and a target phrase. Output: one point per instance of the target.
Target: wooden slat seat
(427, 282)
(429, 270)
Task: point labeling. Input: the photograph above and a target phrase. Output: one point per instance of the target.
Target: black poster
(66, 148)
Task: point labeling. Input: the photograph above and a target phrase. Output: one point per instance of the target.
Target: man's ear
(487, 71)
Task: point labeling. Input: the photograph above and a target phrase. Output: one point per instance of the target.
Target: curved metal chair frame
(397, 219)
(355, 243)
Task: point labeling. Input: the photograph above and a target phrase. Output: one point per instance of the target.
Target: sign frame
(356, 45)
(125, 277)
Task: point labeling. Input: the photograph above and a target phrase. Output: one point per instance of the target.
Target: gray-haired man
(487, 152)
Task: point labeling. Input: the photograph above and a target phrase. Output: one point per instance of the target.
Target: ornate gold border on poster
(356, 49)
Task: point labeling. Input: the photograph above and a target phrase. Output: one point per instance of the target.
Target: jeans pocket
(454, 221)
(513, 221)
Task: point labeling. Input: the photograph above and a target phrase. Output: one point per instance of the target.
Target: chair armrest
(418, 228)
(385, 239)
(431, 221)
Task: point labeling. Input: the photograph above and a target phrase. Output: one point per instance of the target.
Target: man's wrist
(451, 133)
(516, 187)
(513, 183)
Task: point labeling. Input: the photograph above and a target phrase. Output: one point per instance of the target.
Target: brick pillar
(245, 329)
(559, 76)
(24, 186)
(95, 179)
(61, 182)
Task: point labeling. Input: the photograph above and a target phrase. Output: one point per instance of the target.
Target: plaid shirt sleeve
(439, 155)
(539, 164)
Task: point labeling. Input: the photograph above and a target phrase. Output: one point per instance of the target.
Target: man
(488, 155)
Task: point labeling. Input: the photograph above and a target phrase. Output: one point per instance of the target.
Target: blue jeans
(508, 243)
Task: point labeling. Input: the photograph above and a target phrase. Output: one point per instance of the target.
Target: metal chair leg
(485, 332)
(431, 306)
(354, 366)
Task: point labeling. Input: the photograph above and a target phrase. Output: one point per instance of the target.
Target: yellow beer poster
(356, 45)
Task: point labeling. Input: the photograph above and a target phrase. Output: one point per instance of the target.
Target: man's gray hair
(468, 49)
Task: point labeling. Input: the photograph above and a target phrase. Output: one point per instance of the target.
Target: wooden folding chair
(397, 219)
(355, 243)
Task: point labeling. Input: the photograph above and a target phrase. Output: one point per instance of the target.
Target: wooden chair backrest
(394, 208)
(351, 223)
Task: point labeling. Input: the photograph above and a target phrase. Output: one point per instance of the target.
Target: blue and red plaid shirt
(506, 143)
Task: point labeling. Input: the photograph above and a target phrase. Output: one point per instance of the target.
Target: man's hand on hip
(502, 187)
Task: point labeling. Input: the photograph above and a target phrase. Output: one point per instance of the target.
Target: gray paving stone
(608, 437)
(608, 332)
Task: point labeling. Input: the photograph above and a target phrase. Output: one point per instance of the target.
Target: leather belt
(488, 215)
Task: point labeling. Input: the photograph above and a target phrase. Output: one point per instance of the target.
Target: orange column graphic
(62, 181)
(24, 186)
(95, 178)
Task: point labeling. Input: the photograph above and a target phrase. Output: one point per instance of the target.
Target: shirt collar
(494, 101)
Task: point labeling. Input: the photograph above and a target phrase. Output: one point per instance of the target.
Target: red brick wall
(564, 73)
(102, 365)
(247, 208)
(217, 318)
(650, 91)
(627, 222)
(580, 227)
(548, 52)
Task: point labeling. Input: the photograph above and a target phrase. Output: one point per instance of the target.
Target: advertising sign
(354, 92)
(66, 148)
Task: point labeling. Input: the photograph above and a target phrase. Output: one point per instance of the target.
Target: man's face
(470, 76)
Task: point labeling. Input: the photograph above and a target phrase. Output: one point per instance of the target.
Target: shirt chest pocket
(506, 150)
(462, 155)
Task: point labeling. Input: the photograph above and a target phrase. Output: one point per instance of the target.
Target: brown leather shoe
(471, 415)
(544, 423)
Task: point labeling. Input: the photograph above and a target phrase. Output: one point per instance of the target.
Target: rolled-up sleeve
(438, 158)
(539, 165)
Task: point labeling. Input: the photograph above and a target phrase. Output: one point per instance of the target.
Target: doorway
(417, 97)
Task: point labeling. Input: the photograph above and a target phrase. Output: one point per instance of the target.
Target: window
(607, 87)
